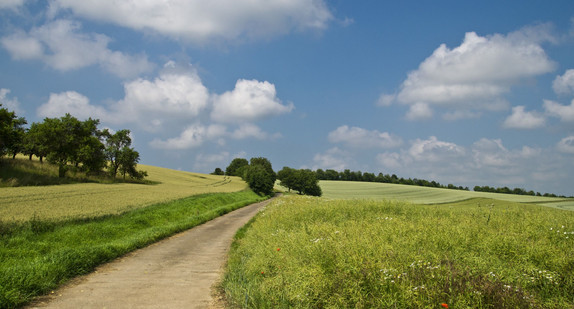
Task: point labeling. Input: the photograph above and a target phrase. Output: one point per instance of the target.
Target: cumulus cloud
(192, 137)
(247, 130)
(433, 150)
(361, 138)
(11, 4)
(201, 21)
(73, 103)
(485, 162)
(11, 104)
(419, 111)
(521, 119)
(477, 73)
(564, 84)
(566, 145)
(564, 112)
(61, 45)
(333, 158)
(171, 95)
(204, 161)
(251, 100)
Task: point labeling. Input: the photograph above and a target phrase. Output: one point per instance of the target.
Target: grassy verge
(306, 252)
(39, 255)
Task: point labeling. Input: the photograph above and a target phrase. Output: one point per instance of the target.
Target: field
(427, 195)
(83, 200)
(304, 252)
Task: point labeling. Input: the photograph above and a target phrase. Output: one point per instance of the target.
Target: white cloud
(333, 158)
(12, 105)
(248, 130)
(201, 21)
(386, 99)
(460, 114)
(251, 100)
(361, 138)
(433, 150)
(566, 145)
(564, 112)
(73, 103)
(171, 94)
(390, 160)
(564, 84)
(11, 4)
(419, 111)
(61, 45)
(192, 137)
(474, 75)
(204, 161)
(520, 119)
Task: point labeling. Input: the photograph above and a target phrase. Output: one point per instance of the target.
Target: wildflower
(278, 249)
(263, 273)
(444, 305)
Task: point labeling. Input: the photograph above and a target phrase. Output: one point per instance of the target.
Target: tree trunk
(30, 157)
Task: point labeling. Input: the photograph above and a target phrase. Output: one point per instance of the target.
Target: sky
(461, 92)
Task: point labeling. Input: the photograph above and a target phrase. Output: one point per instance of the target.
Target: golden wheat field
(93, 199)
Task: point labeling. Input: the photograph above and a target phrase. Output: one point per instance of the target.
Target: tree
(61, 137)
(11, 132)
(35, 141)
(127, 161)
(259, 179)
(218, 171)
(235, 167)
(287, 177)
(266, 164)
(115, 145)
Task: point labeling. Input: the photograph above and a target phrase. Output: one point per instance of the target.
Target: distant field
(90, 199)
(426, 195)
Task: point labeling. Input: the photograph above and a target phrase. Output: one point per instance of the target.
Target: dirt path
(177, 272)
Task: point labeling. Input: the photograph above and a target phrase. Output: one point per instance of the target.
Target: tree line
(67, 140)
(348, 175)
(517, 191)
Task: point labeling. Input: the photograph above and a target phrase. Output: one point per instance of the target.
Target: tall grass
(38, 255)
(306, 252)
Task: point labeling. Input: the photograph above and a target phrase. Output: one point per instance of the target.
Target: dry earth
(178, 272)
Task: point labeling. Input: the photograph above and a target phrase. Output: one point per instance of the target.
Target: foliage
(234, 167)
(11, 132)
(39, 255)
(303, 181)
(258, 173)
(304, 252)
(218, 171)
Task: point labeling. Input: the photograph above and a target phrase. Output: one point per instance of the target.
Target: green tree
(128, 160)
(115, 145)
(35, 141)
(266, 164)
(218, 171)
(235, 167)
(259, 179)
(11, 132)
(287, 177)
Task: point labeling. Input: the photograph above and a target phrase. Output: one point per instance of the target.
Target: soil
(178, 272)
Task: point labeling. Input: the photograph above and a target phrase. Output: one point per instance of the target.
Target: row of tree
(348, 175)
(67, 140)
(507, 190)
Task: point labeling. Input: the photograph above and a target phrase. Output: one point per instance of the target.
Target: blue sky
(454, 91)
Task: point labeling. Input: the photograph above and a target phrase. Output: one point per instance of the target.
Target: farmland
(426, 195)
(84, 200)
(304, 252)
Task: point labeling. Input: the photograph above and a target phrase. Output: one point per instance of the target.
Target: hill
(427, 195)
(80, 200)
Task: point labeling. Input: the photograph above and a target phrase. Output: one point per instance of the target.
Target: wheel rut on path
(177, 272)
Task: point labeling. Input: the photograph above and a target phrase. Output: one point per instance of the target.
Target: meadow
(86, 200)
(427, 195)
(304, 252)
(49, 234)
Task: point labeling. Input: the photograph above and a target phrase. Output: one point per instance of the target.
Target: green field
(427, 195)
(304, 252)
(84, 200)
